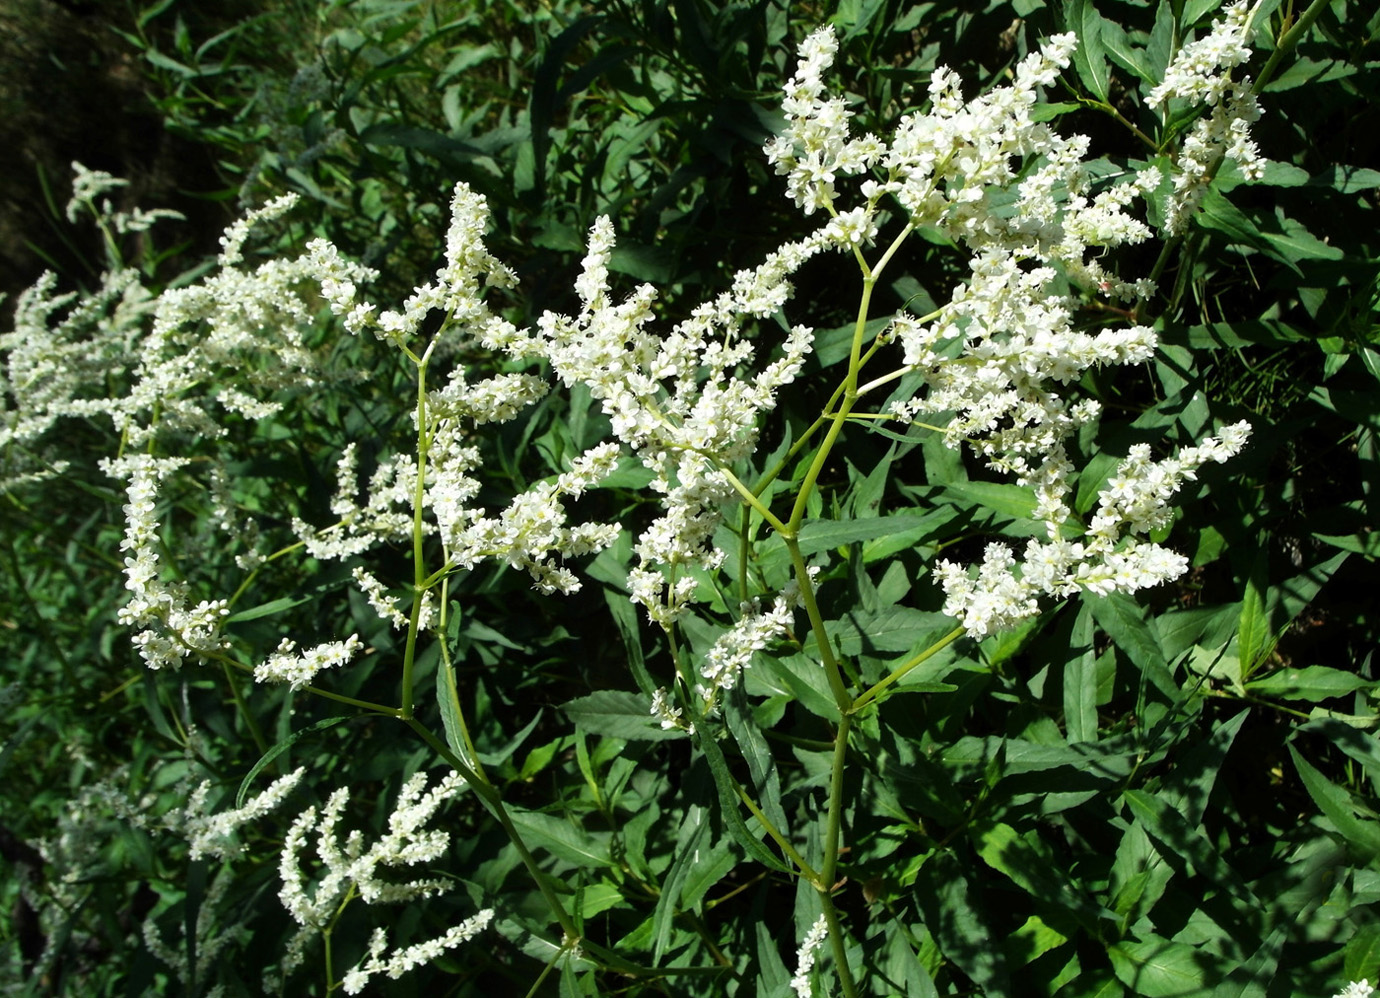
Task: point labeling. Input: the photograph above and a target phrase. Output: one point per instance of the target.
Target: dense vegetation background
(1167, 795)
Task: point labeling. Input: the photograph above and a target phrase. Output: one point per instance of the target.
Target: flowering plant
(806, 660)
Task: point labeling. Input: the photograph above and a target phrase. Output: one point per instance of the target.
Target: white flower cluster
(730, 654)
(533, 529)
(667, 713)
(805, 957)
(733, 651)
(994, 358)
(212, 935)
(88, 185)
(385, 605)
(406, 843)
(172, 628)
(816, 150)
(59, 358)
(1112, 556)
(1356, 989)
(239, 327)
(1200, 75)
(385, 515)
(937, 163)
(210, 834)
(676, 399)
(401, 960)
(287, 665)
(1195, 73)
(455, 292)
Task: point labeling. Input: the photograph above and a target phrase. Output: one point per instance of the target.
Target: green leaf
(773, 977)
(1167, 827)
(766, 781)
(1080, 681)
(1015, 501)
(1089, 58)
(624, 614)
(501, 755)
(1158, 968)
(1336, 804)
(1006, 851)
(1189, 787)
(1126, 53)
(267, 758)
(563, 839)
(1253, 639)
(599, 897)
(692, 831)
(903, 965)
(1252, 979)
(1124, 622)
(172, 65)
(1031, 941)
(619, 714)
(957, 915)
(448, 697)
(894, 629)
(732, 808)
(799, 677)
(1348, 179)
(1364, 748)
(266, 609)
(1093, 985)
(825, 535)
(1314, 682)
(1362, 960)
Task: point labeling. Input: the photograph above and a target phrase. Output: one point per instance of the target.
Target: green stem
(329, 931)
(744, 551)
(900, 671)
(1286, 43)
(418, 549)
(806, 870)
(550, 965)
(826, 649)
(243, 708)
(493, 801)
(829, 874)
(836, 942)
(753, 501)
(835, 819)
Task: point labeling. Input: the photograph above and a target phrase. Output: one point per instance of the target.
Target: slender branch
(254, 731)
(900, 671)
(418, 549)
(493, 801)
(836, 942)
(1287, 42)
(806, 870)
(826, 650)
(753, 501)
